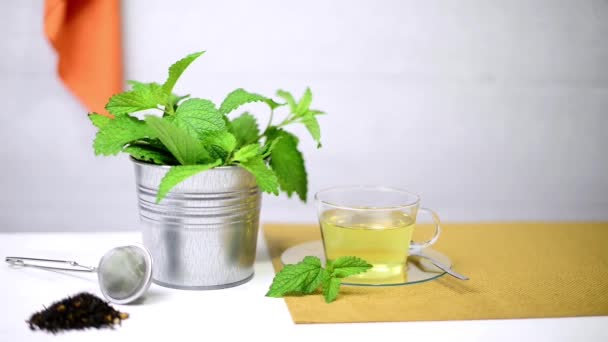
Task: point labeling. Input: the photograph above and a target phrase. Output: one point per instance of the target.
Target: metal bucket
(203, 234)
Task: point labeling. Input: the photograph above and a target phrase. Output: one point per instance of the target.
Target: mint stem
(269, 122)
(171, 110)
(287, 121)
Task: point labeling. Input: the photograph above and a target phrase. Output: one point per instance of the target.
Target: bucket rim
(151, 165)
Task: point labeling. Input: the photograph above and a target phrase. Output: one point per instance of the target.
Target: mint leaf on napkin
(331, 287)
(301, 278)
(347, 266)
(306, 276)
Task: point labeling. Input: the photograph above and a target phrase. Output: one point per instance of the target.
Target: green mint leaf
(223, 139)
(142, 86)
(311, 123)
(177, 69)
(199, 117)
(329, 266)
(150, 153)
(347, 266)
(331, 287)
(304, 103)
(245, 129)
(306, 276)
(301, 278)
(266, 179)
(313, 281)
(169, 101)
(216, 152)
(316, 112)
(179, 173)
(184, 147)
(219, 144)
(285, 95)
(143, 96)
(269, 146)
(118, 132)
(240, 97)
(98, 120)
(247, 152)
(134, 84)
(288, 164)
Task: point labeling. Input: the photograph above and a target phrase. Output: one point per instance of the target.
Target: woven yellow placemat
(517, 270)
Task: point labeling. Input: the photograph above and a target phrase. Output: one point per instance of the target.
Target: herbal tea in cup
(375, 224)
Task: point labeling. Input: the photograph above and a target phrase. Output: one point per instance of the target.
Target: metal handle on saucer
(443, 267)
(416, 248)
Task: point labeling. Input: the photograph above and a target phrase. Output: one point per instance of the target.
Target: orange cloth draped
(87, 37)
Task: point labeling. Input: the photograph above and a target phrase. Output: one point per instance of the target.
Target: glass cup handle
(422, 245)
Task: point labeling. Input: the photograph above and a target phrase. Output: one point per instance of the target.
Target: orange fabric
(87, 37)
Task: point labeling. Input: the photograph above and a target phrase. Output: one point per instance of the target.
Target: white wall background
(492, 110)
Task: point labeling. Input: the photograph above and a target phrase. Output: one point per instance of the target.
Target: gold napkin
(517, 270)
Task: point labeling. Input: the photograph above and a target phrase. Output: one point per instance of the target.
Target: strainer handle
(39, 263)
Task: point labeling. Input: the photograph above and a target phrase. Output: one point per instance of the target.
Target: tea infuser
(124, 273)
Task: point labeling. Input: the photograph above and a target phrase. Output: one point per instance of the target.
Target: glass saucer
(419, 270)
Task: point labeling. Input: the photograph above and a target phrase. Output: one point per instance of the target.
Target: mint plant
(193, 135)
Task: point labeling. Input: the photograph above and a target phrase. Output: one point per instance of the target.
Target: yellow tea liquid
(382, 238)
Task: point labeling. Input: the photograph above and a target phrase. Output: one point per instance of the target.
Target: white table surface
(240, 313)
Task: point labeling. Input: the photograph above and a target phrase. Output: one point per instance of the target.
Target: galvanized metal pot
(203, 234)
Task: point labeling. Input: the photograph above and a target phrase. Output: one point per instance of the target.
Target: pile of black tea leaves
(77, 312)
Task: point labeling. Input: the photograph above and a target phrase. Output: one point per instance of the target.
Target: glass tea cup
(373, 223)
